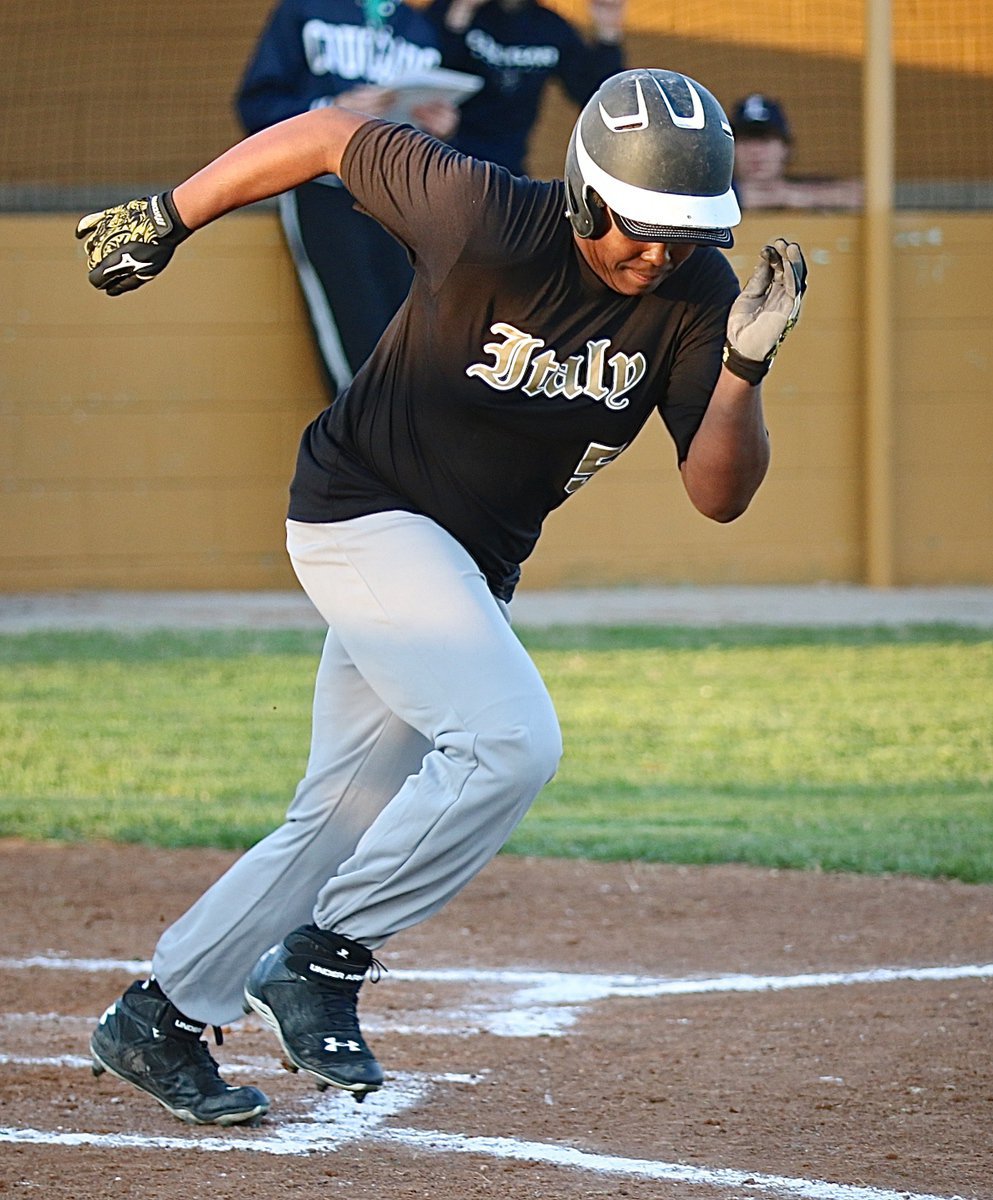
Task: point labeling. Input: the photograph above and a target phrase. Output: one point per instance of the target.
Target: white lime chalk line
(561, 987)
(328, 1122)
(248, 1065)
(642, 1168)
(81, 1062)
(331, 1121)
(534, 1003)
(336, 1121)
(55, 962)
(572, 986)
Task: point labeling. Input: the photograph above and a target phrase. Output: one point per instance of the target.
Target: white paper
(423, 87)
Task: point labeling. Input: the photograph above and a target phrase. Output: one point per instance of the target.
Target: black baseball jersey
(511, 374)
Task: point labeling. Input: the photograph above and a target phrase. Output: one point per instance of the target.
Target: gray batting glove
(766, 310)
(129, 244)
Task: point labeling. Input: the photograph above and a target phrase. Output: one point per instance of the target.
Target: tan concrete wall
(943, 443)
(147, 441)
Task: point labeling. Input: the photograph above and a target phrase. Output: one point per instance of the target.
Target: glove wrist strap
(748, 369)
(169, 225)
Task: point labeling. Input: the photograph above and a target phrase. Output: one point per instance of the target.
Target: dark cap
(758, 116)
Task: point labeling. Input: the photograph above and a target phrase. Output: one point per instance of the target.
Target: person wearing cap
(548, 323)
(763, 149)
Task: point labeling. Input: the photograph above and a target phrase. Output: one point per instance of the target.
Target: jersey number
(596, 456)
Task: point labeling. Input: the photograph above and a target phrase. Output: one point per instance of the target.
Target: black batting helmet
(655, 147)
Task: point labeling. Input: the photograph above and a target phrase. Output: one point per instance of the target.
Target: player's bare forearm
(267, 163)
(129, 244)
(729, 455)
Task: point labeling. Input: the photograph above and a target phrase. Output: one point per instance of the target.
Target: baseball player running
(547, 322)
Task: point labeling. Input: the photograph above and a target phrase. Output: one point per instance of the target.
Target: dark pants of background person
(353, 274)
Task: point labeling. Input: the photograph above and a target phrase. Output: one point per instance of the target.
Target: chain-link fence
(100, 101)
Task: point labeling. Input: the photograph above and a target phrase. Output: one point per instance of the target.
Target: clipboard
(422, 87)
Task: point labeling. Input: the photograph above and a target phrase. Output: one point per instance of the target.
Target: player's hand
(440, 118)
(368, 98)
(766, 310)
(607, 19)
(460, 13)
(129, 244)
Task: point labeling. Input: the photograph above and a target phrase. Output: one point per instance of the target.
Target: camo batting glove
(766, 311)
(129, 244)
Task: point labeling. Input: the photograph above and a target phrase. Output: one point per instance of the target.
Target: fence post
(878, 107)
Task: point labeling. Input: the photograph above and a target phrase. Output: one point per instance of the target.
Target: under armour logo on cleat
(332, 1045)
(190, 1028)
(342, 953)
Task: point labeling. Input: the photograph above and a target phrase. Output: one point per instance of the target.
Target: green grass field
(862, 750)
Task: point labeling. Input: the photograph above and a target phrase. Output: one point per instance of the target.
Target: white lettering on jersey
(359, 52)
(516, 365)
(491, 52)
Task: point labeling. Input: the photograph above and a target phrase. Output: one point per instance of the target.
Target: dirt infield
(562, 1029)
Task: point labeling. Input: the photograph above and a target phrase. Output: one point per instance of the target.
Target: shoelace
(339, 1013)
(196, 1056)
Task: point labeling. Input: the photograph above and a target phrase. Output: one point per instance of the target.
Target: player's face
(630, 267)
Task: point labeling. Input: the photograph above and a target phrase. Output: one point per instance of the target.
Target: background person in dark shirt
(517, 47)
(548, 322)
(315, 53)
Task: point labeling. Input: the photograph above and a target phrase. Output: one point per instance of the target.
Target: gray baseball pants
(432, 734)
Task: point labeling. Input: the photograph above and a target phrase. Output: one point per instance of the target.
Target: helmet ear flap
(588, 214)
(584, 207)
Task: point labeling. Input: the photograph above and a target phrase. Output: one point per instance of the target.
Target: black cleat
(145, 1040)
(306, 990)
